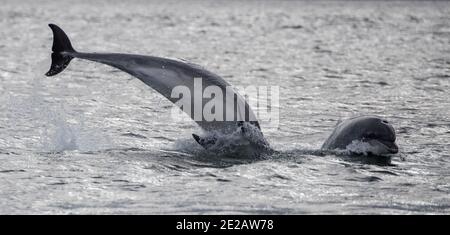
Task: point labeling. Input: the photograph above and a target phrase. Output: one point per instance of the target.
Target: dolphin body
(375, 133)
(163, 75)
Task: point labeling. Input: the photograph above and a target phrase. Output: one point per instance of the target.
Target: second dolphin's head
(376, 133)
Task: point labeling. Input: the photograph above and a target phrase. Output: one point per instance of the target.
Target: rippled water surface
(96, 140)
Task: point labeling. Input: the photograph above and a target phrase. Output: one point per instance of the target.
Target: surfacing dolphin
(163, 75)
(375, 135)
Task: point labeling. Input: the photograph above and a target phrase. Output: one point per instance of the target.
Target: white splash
(50, 128)
(365, 148)
(246, 141)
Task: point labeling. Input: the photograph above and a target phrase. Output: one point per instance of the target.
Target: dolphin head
(363, 134)
(379, 134)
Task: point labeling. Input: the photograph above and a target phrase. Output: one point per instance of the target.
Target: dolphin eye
(371, 136)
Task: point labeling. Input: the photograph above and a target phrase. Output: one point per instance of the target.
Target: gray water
(95, 140)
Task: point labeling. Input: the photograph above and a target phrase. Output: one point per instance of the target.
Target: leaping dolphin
(163, 75)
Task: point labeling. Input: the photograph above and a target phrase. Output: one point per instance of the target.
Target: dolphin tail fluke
(61, 50)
